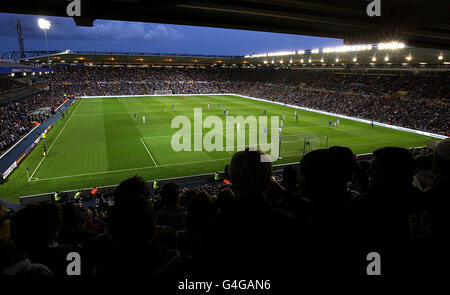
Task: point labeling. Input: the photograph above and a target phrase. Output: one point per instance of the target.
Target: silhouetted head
(37, 225)
(249, 176)
(392, 167)
(170, 194)
(345, 162)
(132, 186)
(132, 222)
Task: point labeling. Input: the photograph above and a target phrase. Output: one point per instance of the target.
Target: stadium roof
(423, 23)
(340, 56)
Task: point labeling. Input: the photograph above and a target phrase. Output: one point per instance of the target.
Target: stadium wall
(425, 133)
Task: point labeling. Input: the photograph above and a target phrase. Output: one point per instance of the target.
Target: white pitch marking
(149, 152)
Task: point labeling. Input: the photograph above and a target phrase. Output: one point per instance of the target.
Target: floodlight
(44, 24)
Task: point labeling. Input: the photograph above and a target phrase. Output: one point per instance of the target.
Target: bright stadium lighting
(321, 60)
(281, 53)
(374, 59)
(291, 60)
(24, 74)
(265, 61)
(12, 74)
(391, 45)
(354, 59)
(281, 61)
(300, 52)
(386, 58)
(441, 57)
(273, 61)
(409, 57)
(337, 59)
(346, 48)
(309, 60)
(44, 24)
(315, 51)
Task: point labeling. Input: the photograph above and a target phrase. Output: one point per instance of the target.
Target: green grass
(100, 143)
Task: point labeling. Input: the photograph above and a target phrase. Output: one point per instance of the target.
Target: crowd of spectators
(7, 84)
(320, 219)
(16, 117)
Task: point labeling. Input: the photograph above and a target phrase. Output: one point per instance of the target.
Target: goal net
(297, 145)
(163, 92)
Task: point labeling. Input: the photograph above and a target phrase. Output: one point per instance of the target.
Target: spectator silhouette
(256, 239)
(172, 215)
(12, 261)
(135, 251)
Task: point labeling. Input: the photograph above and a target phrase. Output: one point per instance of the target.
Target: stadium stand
(417, 101)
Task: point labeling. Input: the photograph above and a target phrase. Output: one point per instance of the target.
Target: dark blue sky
(115, 36)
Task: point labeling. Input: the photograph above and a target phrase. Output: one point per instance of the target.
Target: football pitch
(100, 142)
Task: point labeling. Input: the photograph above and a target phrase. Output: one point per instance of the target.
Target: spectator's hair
(364, 165)
(441, 159)
(188, 196)
(344, 162)
(200, 210)
(249, 176)
(314, 169)
(71, 216)
(396, 165)
(289, 178)
(441, 165)
(423, 162)
(361, 176)
(132, 186)
(132, 221)
(37, 225)
(225, 200)
(170, 194)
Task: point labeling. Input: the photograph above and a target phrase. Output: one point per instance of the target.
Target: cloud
(103, 31)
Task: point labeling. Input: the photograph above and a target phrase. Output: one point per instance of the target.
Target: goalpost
(297, 145)
(163, 92)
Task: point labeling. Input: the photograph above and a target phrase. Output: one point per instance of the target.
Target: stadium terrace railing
(420, 132)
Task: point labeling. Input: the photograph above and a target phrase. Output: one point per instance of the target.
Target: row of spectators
(321, 219)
